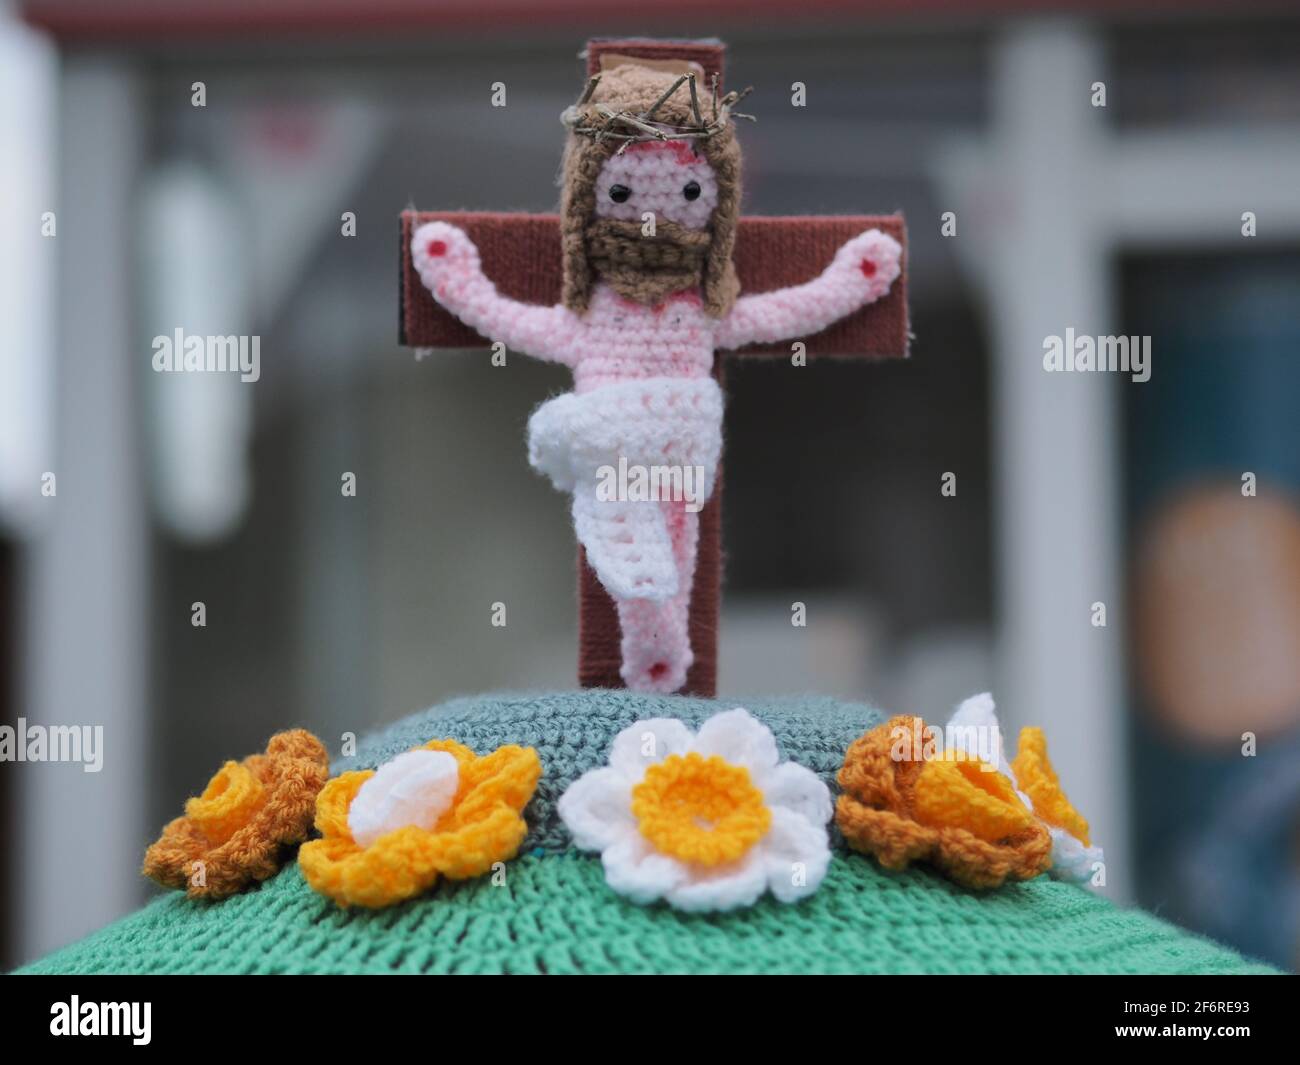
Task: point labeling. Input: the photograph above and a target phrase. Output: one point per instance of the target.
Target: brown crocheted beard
(642, 268)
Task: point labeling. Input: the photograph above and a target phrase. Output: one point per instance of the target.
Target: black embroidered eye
(620, 193)
(691, 190)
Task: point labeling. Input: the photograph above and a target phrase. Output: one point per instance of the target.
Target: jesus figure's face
(650, 234)
(663, 178)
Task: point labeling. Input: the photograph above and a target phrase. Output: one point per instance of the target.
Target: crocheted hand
(862, 271)
(871, 257)
(448, 265)
(443, 252)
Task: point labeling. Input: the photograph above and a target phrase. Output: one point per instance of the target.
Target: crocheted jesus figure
(650, 203)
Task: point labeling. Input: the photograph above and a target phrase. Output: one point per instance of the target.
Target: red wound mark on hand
(868, 268)
(437, 247)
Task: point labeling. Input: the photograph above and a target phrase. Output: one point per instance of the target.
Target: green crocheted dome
(554, 913)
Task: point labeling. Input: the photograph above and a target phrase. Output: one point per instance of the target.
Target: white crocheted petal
(977, 710)
(1071, 860)
(796, 854)
(415, 788)
(635, 869)
(727, 887)
(643, 743)
(597, 809)
(797, 788)
(739, 738)
(627, 544)
(974, 730)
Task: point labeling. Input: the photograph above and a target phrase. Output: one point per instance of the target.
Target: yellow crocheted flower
(463, 833)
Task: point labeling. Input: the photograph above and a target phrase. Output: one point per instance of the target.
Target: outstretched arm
(448, 264)
(861, 272)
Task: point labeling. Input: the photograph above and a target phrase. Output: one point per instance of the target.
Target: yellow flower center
(228, 803)
(701, 810)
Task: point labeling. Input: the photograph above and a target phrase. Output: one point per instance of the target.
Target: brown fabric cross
(521, 254)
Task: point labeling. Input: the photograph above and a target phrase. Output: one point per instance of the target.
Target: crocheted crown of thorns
(679, 112)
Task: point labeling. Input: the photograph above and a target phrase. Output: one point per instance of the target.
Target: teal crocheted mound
(554, 913)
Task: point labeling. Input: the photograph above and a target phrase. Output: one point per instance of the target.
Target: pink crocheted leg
(656, 635)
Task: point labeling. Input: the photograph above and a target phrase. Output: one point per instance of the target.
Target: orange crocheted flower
(903, 804)
(482, 824)
(234, 833)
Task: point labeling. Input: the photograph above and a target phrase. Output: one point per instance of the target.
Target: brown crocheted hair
(635, 90)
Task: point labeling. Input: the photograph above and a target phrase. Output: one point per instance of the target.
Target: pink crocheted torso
(619, 340)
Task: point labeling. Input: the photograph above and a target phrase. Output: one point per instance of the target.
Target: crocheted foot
(656, 644)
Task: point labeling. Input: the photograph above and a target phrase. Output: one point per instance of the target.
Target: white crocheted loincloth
(661, 422)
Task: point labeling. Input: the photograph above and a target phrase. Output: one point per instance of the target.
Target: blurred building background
(200, 162)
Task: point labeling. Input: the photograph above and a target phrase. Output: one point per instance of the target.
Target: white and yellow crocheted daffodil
(438, 811)
(704, 821)
(1074, 858)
